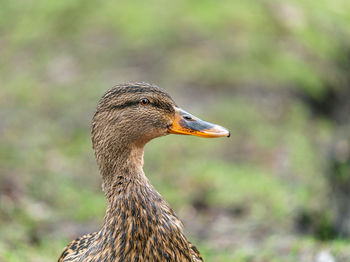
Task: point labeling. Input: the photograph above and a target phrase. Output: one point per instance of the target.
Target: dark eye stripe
(160, 105)
(164, 106)
(126, 104)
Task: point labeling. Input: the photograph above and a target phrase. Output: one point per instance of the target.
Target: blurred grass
(242, 64)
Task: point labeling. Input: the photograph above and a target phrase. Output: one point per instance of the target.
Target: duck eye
(144, 101)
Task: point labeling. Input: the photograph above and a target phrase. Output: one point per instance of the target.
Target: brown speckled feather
(77, 246)
(139, 226)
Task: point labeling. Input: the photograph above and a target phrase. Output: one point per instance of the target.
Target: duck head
(135, 113)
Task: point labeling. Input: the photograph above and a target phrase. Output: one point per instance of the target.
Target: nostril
(187, 117)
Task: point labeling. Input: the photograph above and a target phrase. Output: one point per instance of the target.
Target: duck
(139, 225)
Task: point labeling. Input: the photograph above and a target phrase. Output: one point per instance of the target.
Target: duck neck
(137, 217)
(119, 166)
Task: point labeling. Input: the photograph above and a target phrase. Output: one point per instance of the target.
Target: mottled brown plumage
(139, 224)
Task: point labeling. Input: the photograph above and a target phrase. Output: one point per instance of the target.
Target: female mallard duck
(139, 224)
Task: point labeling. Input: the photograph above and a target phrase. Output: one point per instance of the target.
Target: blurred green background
(276, 73)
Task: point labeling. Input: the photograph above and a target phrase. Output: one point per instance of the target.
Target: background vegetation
(276, 73)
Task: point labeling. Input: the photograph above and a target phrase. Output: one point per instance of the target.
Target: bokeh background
(276, 73)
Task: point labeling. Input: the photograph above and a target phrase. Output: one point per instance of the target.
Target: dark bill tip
(187, 124)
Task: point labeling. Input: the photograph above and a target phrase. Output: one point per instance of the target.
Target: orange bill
(187, 124)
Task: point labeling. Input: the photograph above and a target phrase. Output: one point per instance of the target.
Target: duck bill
(186, 124)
